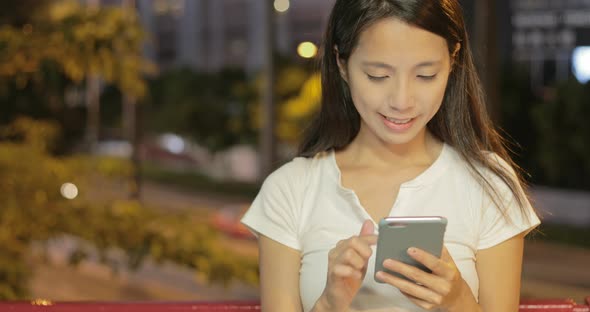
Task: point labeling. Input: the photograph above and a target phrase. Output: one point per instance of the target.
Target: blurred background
(135, 133)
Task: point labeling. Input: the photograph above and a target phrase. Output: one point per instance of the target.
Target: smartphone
(397, 234)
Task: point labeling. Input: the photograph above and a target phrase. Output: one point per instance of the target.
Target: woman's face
(397, 76)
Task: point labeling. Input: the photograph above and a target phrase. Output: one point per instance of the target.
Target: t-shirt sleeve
(274, 211)
(498, 225)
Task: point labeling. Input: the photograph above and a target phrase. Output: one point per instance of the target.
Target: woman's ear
(341, 65)
(454, 55)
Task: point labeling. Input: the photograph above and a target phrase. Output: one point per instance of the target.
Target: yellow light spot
(41, 302)
(69, 190)
(281, 5)
(307, 49)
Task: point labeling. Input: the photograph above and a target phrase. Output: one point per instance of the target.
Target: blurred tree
(296, 112)
(563, 135)
(297, 96)
(517, 98)
(43, 98)
(106, 41)
(87, 43)
(19, 13)
(35, 211)
(211, 108)
(549, 129)
(226, 110)
(83, 42)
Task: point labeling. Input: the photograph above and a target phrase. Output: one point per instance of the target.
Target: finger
(410, 288)
(352, 258)
(436, 265)
(362, 245)
(431, 281)
(346, 271)
(446, 256)
(367, 228)
(369, 239)
(419, 302)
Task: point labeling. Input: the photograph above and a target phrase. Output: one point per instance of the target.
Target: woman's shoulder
(458, 161)
(300, 168)
(473, 170)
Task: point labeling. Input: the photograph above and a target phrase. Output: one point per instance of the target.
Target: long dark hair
(462, 120)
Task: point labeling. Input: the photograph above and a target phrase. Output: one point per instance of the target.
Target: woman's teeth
(399, 121)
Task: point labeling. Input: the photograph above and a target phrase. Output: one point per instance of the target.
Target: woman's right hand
(347, 265)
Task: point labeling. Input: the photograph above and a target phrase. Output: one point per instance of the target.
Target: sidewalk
(555, 271)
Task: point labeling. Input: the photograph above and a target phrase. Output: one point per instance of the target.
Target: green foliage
(211, 108)
(563, 234)
(222, 109)
(19, 13)
(517, 98)
(563, 132)
(194, 181)
(48, 48)
(33, 210)
(83, 42)
(297, 111)
(550, 128)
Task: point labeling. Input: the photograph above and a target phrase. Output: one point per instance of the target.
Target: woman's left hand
(444, 288)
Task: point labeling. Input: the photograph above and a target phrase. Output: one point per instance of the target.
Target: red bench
(544, 305)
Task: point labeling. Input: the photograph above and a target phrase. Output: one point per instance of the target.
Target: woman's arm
(347, 265)
(499, 268)
(279, 276)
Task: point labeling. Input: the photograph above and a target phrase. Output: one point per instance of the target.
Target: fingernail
(412, 250)
(379, 275)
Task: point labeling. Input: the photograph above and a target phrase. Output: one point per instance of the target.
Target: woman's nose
(400, 98)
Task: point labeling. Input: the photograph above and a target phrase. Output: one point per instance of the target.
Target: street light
(307, 49)
(281, 5)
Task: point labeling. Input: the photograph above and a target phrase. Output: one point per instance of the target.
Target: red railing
(541, 305)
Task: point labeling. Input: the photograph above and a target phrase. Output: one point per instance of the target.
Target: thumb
(368, 228)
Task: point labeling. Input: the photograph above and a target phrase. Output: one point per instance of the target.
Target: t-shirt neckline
(426, 177)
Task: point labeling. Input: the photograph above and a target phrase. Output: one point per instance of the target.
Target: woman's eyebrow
(428, 63)
(387, 66)
(377, 65)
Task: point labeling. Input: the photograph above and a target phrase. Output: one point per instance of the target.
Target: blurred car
(227, 221)
(115, 148)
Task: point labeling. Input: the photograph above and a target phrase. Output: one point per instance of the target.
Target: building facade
(546, 36)
(207, 35)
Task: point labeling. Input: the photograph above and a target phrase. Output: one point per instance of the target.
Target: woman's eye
(376, 78)
(426, 77)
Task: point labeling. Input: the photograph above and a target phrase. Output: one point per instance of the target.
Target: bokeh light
(281, 5)
(307, 49)
(69, 190)
(581, 64)
(172, 142)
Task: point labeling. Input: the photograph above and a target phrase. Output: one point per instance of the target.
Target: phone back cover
(394, 241)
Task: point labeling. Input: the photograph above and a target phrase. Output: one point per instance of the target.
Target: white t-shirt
(303, 205)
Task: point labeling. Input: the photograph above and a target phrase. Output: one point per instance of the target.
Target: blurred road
(562, 206)
(550, 270)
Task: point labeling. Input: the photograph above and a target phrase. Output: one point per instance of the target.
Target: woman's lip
(396, 126)
(397, 118)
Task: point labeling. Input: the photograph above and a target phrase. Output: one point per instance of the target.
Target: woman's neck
(422, 150)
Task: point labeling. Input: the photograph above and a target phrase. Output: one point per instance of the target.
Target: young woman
(402, 131)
